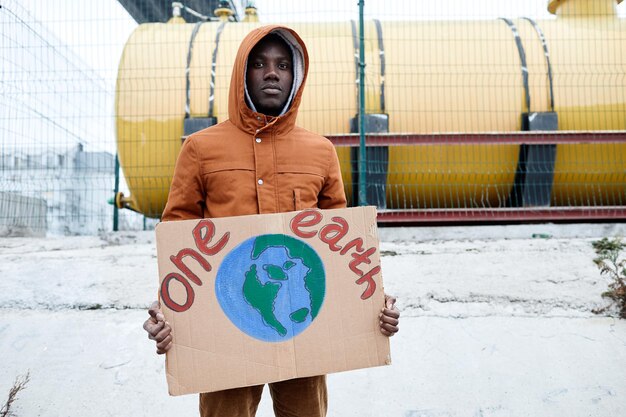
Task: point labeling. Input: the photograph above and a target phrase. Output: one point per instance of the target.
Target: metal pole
(362, 153)
(116, 190)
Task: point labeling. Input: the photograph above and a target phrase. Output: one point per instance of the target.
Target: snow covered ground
(494, 323)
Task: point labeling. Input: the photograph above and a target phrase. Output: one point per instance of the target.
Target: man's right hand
(158, 329)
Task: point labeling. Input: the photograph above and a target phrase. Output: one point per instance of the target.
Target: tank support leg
(377, 162)
(535, 167)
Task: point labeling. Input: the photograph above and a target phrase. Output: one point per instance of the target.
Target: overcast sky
(90, 37)
(98, 30)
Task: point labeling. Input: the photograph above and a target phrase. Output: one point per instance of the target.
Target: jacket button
(260, 181)
(258, 140)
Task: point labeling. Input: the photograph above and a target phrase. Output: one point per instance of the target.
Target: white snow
(494, 323)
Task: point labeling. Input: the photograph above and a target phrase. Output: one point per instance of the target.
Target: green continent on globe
(299, 315)
(262, 297)
(314, 281)
(275, 272)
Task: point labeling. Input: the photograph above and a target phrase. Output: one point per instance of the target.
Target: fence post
(362, 150)
(116, 190)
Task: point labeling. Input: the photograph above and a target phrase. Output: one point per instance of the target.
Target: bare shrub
(18, 385)
(610, 264)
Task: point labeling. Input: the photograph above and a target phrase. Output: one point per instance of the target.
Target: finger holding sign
(389, 317)
(154, 323)
(155, 311)
(158, 329)
(165, 344)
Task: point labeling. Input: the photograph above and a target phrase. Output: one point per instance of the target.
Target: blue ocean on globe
(271, 287)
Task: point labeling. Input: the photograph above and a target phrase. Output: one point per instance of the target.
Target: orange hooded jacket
(252, 163)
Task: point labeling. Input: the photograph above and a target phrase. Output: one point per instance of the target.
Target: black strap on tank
(544, 44)
(355, 44)
(194, 32)
(213, 66)
(522, 56)
(381, 55)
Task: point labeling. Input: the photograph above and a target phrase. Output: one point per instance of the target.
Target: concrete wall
(21, 215)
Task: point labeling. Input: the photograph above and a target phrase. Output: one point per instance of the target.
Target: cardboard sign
(265, 298)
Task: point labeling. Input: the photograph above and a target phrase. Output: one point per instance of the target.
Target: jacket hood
(242, 114)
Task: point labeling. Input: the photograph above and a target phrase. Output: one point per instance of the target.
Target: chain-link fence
(483, 110)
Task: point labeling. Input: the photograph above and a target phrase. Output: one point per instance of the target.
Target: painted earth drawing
(271, 287)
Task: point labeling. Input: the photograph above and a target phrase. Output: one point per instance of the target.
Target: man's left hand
(389, 317)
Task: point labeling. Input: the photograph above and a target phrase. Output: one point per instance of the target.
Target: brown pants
(302, 397)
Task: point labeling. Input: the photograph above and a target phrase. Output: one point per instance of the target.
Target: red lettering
(333, 233)
(300, 220)
(371, 284)
(202, 235)
(165, 293)
(358, 242)
(178, 261)
(360, 258)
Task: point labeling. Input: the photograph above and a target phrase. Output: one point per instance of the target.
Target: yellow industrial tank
(428, 77)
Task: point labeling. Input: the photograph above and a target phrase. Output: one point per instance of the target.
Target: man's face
(269, 75)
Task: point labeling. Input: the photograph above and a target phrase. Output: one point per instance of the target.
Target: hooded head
(268, 78)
